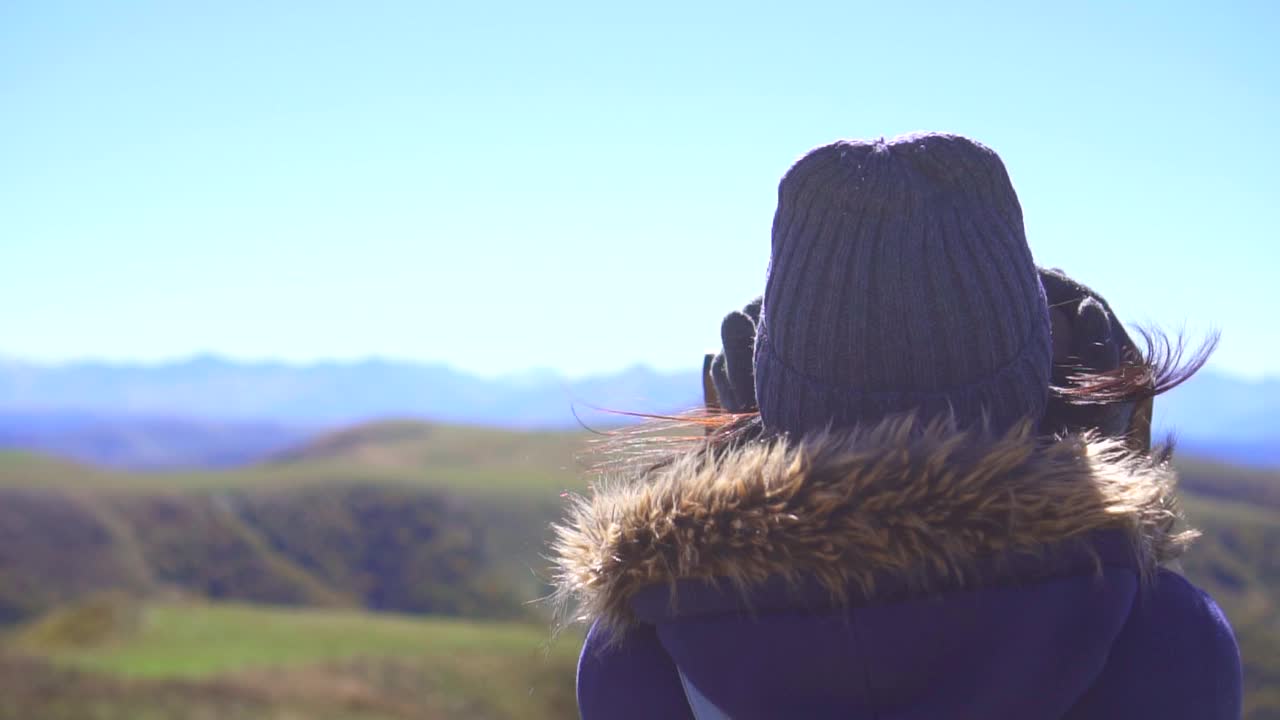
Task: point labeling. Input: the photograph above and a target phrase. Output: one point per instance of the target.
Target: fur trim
(844, 508)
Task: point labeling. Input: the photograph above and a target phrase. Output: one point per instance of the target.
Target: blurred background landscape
(309, 311)
(253, 541)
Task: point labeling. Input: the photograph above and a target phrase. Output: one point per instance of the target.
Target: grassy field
(220, 660)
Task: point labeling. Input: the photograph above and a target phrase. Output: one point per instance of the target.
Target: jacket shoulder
(628, 678)
(1175, 658)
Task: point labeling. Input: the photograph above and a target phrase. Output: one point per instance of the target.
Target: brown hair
(1163, 365)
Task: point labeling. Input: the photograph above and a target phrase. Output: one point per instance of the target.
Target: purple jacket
(895, 573)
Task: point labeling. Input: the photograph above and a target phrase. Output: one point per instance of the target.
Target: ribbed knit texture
(900, 280)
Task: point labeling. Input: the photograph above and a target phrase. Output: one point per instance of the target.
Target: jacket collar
(844, 509)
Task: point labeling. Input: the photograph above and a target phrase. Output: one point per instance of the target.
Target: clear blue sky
(588, 186)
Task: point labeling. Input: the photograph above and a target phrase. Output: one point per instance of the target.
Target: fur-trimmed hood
(923, 503)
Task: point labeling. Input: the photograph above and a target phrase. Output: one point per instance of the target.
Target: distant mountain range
(328, 394)
(1224, 417)
(209, 411)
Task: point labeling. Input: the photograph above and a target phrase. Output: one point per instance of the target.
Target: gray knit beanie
(900, 280)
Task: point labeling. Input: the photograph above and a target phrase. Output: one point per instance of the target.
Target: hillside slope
(401, 516)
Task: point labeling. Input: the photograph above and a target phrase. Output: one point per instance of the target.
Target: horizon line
(534, 372)
(210, 357)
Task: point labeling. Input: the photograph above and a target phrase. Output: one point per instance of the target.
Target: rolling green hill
(472, 460)
(393, 515)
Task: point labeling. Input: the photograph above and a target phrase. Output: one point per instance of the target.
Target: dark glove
(1089, 340)
(732, 370)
